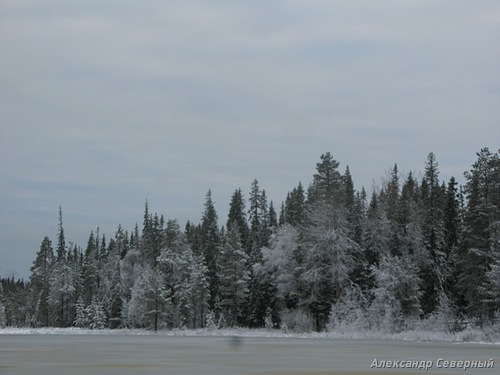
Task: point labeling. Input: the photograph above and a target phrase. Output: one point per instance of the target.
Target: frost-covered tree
(40, 283)
(90, 269)
(481, 230)
(348, 313)
(150, 300)
(493, 284)
(329, 258)
(200, 291)
(2, 308)
(110, 286)
(396, 295)
(96, 315)
(434, 272)
(210, 242)
(62, 292)
(280, 264)
(376, 233)
(81, 318)
(234, 278)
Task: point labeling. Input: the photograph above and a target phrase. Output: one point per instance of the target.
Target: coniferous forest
(415, 251)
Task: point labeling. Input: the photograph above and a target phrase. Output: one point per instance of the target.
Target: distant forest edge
(414, 253)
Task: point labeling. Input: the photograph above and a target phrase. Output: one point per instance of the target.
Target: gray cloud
(107, 103)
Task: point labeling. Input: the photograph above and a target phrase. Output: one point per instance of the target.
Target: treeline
(415, 252)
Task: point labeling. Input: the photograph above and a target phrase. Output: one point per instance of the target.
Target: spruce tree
(234, 278)
(327, 182)
(481, 233)
(237, 216)
(210, 240)
(40, 282)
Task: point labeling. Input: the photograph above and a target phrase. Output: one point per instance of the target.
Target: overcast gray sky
(107, 103)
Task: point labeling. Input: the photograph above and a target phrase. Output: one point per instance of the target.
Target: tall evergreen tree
(234, 278)
(481, 231)
(3, 319)
(237, 216)
(434, 272)
(295, 206)
(40, 282)
(211, 244)
(61, 240)
(327, 182)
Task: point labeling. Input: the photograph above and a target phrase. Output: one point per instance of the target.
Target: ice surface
(77, 352)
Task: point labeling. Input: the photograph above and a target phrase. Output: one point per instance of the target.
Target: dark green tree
(237, 217)
(40, 282)
(210, 238)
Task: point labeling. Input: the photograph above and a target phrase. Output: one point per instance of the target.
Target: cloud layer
(107, 103)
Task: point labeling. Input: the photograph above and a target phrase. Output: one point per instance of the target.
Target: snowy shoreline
(472, 336)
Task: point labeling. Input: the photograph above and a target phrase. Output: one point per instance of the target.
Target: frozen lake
(121, 354)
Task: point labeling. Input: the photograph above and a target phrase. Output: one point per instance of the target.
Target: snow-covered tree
(329, 258)
(62, 292)
(2, 308)
(96, 315)
(210, 247)
(396, 295)
(40, 283)
(348, 313)
(481, 233)
(234, 277)
(280, 264)
(90, 269)
(200, 291)
(150, 301)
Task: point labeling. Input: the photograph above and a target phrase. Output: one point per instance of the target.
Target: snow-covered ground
(488, 336)
(225, 352)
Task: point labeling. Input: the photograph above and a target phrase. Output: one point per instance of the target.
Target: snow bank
(488, 336)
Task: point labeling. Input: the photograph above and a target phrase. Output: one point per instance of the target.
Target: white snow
(490, 336)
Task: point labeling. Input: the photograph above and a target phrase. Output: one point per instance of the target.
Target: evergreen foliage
(412, 251)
